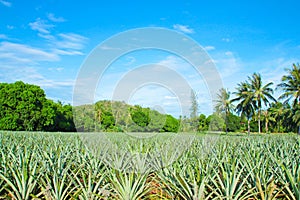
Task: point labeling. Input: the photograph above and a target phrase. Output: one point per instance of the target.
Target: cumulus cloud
(274, 69)
(62, 43)
(183, 28)
(53, 18)
(10, 27)
(5, 3)
(2, 36)
(70, 41)
(67, 52)
(226, 39)
(41, 26)
(24, 52)
(209, 48)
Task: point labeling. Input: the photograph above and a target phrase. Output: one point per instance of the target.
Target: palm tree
(291, 87)
(267, 117)
(279, 111)
(224, 104)
(245, 107)
(296, 117)
(261, 94)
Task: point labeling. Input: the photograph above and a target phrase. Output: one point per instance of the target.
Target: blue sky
(45, 42)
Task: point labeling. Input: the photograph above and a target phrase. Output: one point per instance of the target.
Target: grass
(36, 165)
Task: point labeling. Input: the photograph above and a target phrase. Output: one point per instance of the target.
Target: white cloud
(174, 62)
(182, 67)
(67, 52)
(9, 73)
(230, 67)
(49, 83)
(273, 72)
(22, 51)
(2, 36)
(180, 74)
(145, 96)
(69, 44)
(6, 3)
(104, 47)
(66, 44)
(63, 43)
(183, 28)
(209, 48)
(170, 97)
(226, 39)
(228, 53)
(55, 69)
(29, 74)
(72, 37)
(233, 70)
(53, 18)
(70, 41)
(21, 61)
(24, 62)
(46, 36)
(227, 64)
(274, 69)
(10, 27)
(41, 26)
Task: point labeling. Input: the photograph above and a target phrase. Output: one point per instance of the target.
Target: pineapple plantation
(61, 166)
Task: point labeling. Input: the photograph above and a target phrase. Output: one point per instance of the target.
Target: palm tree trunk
(267, 128)
(259, 121)
(248, 126)
(226, 124)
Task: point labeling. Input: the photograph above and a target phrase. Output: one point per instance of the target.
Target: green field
(63, 166)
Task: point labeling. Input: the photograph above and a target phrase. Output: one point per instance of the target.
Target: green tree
(84, 118)
(296, 116)
(233, 123)
(105, 120)
(224, 105)
(157, 121)
(202, 123)
(245, 106)
(140, 116)
(279, 111)
(290, 85)
(108, 121)
(63, 118)
(215, 122)
(49, 114)
(121, 113)
(21, 107)
(171, 124)
(261, 94)
(267, 117)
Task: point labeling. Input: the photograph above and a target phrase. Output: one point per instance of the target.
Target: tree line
(117, 116)
(254, 103)
(253, 108)
(24, 107)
